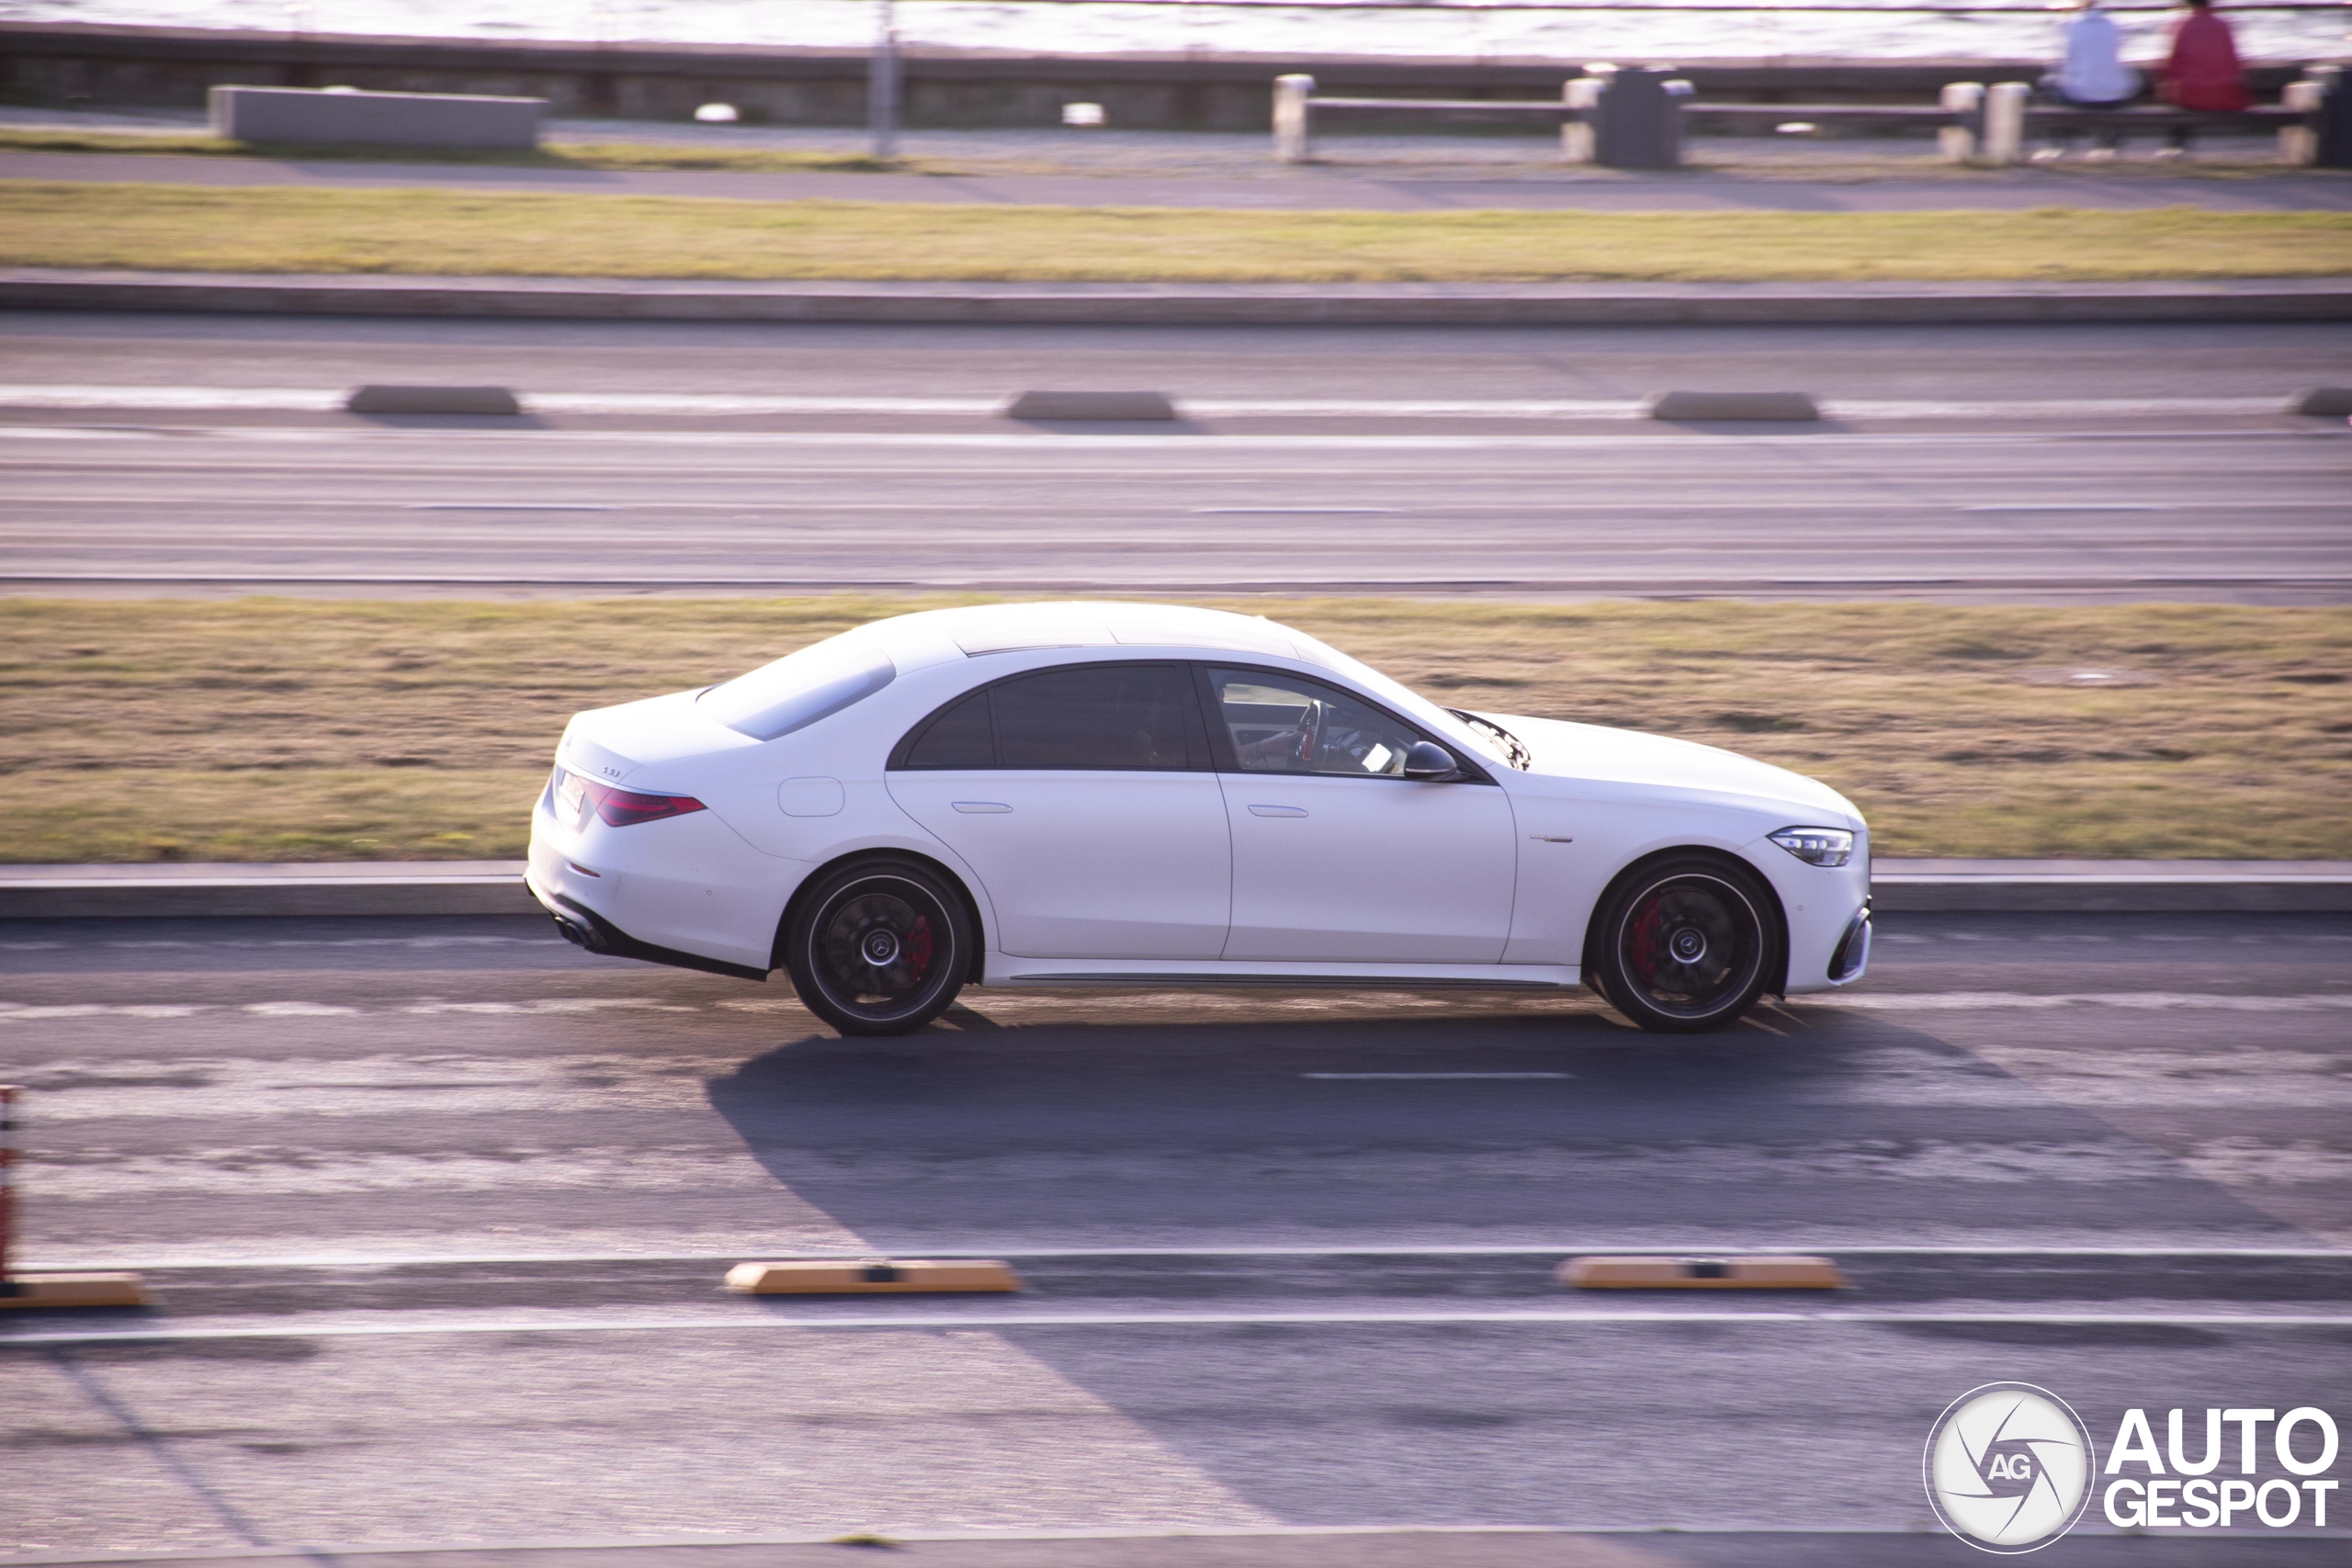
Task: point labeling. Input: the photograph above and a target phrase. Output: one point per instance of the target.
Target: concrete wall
(97, 66)
(376, 119)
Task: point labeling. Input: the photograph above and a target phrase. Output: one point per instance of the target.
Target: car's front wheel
(880, 948)
(1685, 946)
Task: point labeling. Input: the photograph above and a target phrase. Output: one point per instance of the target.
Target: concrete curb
(1223, 304)
(495, 887)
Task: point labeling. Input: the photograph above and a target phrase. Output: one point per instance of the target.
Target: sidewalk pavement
(1875, 183)
(1185, 304)
(318, 890)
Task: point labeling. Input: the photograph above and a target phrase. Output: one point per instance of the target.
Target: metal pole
(882, 83)
(8, 1093)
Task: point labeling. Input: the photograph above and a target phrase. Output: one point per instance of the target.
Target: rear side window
(960, 738)
(799, 689)
(1082, 717)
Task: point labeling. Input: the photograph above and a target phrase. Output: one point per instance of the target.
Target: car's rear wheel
(1685, 946)
(880, 948)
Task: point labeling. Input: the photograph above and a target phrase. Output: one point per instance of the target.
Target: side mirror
(1431, 763)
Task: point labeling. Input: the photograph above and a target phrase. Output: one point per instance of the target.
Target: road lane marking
(1922, 1001)
(933, 1320)
(1414, 1078)
(312, 399)
(1679, 1248)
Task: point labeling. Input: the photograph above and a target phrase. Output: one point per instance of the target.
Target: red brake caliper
(1643, 954)
(917, 947)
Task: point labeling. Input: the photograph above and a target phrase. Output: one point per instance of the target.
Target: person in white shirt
(2093, 75)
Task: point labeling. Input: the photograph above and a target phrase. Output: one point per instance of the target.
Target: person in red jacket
(2203, 71)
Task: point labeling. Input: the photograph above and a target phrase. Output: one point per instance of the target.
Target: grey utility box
(1637, 123)
(333, 115)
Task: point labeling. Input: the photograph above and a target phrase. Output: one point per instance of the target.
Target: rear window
(801, 688)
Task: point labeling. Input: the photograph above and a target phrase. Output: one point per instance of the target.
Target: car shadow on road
(1318, 1126)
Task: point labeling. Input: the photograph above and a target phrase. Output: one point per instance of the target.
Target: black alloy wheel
(1686, 946)
(880, 948)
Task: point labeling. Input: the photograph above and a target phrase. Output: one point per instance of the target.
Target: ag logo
(2009, 1466)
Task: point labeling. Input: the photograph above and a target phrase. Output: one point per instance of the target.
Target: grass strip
(553, 155)
(196, 229)
(324, 729)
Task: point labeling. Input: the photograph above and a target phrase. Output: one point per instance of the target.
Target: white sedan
(1090, 794)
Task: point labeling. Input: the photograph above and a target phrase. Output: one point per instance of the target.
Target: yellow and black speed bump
(1774, 1273)
(40, 1291)
(848, 1277)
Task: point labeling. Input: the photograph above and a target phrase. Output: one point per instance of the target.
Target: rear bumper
(585, 928)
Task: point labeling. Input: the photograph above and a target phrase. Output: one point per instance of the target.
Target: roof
(973, 630)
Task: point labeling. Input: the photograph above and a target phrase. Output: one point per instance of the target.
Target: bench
(1634, 118)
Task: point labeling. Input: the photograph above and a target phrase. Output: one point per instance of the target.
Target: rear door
(1337, 856)
(1084, 797)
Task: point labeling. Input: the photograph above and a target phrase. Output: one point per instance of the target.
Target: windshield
(801, 688)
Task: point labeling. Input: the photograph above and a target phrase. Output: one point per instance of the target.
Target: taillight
(619, 807)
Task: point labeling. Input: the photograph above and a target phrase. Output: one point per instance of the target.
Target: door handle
(982, 807)
(1278, 811)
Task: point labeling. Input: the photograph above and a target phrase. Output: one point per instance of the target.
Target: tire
(880, 948)
(1686, 945)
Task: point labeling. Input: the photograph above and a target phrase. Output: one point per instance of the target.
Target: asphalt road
(2133, 462)
(435, 1213)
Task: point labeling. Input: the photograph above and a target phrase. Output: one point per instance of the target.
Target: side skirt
(1016, 974)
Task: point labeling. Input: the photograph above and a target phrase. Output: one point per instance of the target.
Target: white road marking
(314, 400)
(1922, 1001)
(295, 1328)
(1409, 1077)
(1613, 1247)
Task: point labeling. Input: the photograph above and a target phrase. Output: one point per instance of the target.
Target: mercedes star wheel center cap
(881, 947)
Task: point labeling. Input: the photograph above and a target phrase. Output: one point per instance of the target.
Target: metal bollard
(1580, 96)
(2331, 137)
(8, 1093)
(2004, 122)
(1964, 101)
(1637, 124)
(1294, 119)
(2298, 144)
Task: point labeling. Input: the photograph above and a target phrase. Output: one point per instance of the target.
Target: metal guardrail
(1634, 118)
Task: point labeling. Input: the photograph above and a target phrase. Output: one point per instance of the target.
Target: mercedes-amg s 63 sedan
(1090, 795)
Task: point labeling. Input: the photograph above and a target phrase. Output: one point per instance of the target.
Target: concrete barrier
(349, 117)
(1786, 407)
(1090, 405)
(1202, 304)
(833, 1277)
(393, 400)
(1773, 1273)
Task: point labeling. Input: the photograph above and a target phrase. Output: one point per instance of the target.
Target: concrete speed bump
(1701, 1274)
(433, 400)
(837, 1276)
(1090, 405)
(41, 1291)
(1784, 406)
(2326, 402)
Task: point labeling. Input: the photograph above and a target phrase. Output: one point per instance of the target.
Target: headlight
(1817, 846)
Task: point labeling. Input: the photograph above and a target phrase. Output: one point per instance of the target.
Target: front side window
(1282, 724)
(1082, 717)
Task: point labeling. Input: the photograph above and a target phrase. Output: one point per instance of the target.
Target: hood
(1599, 754)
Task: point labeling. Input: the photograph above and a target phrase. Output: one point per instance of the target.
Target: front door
(1337, 856)
(1082, 796)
